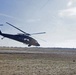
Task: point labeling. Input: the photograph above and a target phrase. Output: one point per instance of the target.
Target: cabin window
(26, 39)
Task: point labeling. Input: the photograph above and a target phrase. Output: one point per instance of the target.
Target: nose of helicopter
(37, 44)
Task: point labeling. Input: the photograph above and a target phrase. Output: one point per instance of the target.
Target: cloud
(69, 3)
(68, 12)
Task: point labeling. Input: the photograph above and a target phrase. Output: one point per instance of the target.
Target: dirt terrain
(51, 62)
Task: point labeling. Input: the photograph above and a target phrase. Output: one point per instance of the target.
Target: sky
(55, 17)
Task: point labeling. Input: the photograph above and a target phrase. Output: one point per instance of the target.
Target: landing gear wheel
(29, 45)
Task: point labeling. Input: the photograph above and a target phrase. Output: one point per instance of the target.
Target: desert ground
(38, 61)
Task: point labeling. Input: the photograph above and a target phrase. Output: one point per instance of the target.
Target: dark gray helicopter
(24, 38)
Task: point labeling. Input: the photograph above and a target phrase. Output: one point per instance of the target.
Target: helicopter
(23, 37)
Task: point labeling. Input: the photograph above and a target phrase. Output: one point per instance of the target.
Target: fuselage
(22, 38)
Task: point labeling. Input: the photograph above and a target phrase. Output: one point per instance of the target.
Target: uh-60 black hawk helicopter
(23, 37)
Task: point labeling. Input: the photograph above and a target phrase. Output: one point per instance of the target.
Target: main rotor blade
(17, 28)
(38, 33)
